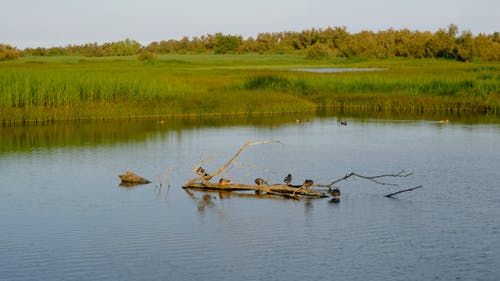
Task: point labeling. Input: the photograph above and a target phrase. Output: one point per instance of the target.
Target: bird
(259, 181)
(200, 171)
(308, 183)
(334, 192)
(224, 181)
(206, 177)
(288, 179)
(343, 123)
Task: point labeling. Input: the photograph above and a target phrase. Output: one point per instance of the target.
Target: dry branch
(401, 174)
(221, 169)
(401, 191)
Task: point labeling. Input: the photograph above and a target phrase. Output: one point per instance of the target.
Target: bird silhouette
(288, 179)
(259, 181)
(334, 192)
(206, 177)
(308, 183)
(200, 171)
(224, 181)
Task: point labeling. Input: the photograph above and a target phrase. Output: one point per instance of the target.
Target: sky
(50, 23)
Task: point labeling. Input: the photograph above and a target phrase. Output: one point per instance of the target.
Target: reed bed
(69, 88)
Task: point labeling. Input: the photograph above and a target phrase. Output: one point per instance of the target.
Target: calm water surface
(63, 215)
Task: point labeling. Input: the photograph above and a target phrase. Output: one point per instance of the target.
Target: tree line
(331, 42)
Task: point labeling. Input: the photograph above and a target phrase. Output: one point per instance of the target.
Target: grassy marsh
(73, 87)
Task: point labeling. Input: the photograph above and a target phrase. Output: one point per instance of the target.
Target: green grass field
(75, 88)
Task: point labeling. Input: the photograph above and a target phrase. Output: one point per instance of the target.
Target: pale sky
(47, 23)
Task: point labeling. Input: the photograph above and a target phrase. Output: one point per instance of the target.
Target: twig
(203, 162)
(401, 174)
(401, 191)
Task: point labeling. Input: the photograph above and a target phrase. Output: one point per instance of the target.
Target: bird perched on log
(308, 183)
(259, 181)
(205, 178)
(288, 179)
(334, 192)
(200, 171)
(224, 181)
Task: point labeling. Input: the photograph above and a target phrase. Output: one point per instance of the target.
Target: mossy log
(274, 189)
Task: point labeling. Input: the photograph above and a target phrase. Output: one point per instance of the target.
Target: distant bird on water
(288, 179)
(343, 123)
(308, 183)
(334, 192)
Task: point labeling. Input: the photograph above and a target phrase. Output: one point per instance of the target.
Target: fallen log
(308, 189)
(274, 189)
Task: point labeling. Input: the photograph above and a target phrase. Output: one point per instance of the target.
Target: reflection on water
(64, 216)
(338, 70)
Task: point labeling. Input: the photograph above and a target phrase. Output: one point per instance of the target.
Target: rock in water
(131, 178)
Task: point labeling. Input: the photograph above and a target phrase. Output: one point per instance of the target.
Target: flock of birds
(205, 177)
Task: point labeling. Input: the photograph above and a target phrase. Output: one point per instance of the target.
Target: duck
(259, 181)
(334, 192)
(288, 179)
(343, 123)
(224, 181)
(205, 178)
(308, 183)
(200, 171)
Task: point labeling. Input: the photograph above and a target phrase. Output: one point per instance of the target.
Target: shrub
(147, 56)
(318, 51)
(8, 52)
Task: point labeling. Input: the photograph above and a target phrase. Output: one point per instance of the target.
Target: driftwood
(308, 189)
(131, 179)
(401, 174)
(221, 169)
(274, 189)
(401, 191)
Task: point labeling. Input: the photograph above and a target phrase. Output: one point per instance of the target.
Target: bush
(147, 56)
(318, 51)
(226, 44)
(8, 52)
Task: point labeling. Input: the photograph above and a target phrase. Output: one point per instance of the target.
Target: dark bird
(334, 192)
(200, 171)
(224, 181)
(259, 181)
(206, 177)
(308, 183)
(343, 123)
(288, 179)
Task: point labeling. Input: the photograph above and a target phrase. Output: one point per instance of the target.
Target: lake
(64, 215)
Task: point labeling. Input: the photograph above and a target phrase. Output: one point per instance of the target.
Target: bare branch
(401, 174)
(405, 190)
(221, 169)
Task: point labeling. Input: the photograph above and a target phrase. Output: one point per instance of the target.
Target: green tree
(125, 47)
(226, 43)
